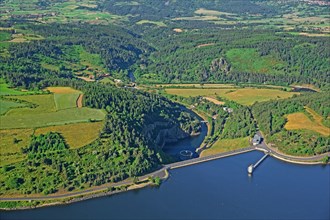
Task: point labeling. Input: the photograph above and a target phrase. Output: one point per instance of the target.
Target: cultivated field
(244, 96)
(50, 109)
(56, 112)
(63, 90)
(65, 97)
(224, 145)
(299, 120)
(67, 116)
(76, 135)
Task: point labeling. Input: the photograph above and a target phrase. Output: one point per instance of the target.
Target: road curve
(317, 159)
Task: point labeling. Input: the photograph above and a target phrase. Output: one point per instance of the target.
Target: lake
(218, 189)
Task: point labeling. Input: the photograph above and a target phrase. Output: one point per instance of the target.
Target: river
(218, 189)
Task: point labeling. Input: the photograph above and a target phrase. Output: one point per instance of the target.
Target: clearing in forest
(225, 145)
(76, 135)
(299, 120)
(249, 60)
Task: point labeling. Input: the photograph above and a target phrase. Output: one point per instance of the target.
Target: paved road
(159, 173)
(279, 155)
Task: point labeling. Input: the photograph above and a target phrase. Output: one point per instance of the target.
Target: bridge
(253, 167)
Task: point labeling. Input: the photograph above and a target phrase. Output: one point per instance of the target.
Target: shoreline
(144, 181)
(128, 186)
(79, 198)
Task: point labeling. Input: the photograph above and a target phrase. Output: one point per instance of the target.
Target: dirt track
(79, 101)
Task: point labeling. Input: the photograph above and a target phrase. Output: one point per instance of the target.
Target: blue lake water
(186, 144)
(218, 189)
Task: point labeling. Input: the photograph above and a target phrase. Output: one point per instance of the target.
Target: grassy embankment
(225, 145)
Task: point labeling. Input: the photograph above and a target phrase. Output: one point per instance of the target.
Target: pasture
(76, 135)
(244, 96)
(300, 121)
(6, 105)
(225, 145)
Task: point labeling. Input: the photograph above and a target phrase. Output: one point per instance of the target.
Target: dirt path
(217, 102)
(79, 101)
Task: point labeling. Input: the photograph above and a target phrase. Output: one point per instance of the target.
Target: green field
(6, 90)
(48, 111)
(248, 60)
(67, 116)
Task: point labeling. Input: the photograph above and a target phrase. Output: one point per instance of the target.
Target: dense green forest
(235, 56)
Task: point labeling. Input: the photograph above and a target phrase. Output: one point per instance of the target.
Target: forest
(227, 56)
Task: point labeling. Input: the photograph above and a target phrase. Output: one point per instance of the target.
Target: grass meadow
(248, 60)
(244, 96)
(300, 121)
(76, 135)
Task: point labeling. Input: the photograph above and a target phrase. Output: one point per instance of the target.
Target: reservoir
(219, 189)
(186, 144)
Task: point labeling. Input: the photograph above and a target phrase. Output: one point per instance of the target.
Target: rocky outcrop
(220, 64)
(164, 133)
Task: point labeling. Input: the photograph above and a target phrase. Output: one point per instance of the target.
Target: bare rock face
(163, 133)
